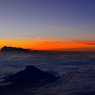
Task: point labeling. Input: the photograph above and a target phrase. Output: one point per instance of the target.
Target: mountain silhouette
(30, 74)
(28, 78)
(13, 49)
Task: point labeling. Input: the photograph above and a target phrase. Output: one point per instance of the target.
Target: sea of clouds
(77, 71)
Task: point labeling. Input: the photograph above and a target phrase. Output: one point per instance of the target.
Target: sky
(48, 24)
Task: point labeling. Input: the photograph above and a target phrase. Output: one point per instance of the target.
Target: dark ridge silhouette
(13, 49)
(28, 78)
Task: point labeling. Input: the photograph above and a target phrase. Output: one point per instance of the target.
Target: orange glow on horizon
(50, 45)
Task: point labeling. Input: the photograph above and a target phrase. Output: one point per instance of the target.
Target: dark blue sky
(59, 19)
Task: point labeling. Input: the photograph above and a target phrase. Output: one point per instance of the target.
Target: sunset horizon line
(64, 49)
(50, 44)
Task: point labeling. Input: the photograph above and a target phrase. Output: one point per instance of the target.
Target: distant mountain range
(14, 49)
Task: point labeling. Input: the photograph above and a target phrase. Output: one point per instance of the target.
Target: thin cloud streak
(77, 33)
(81, 37)
(38, 38)
(62, 28)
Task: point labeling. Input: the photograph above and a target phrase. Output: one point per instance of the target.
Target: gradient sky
(47, 24)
